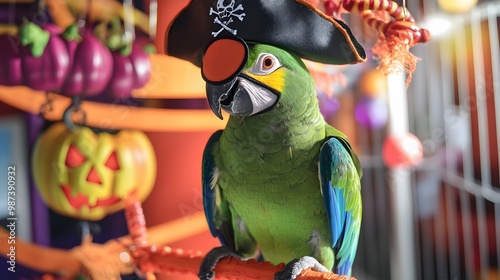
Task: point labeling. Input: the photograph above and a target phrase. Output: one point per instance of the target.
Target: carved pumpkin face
(86, 175)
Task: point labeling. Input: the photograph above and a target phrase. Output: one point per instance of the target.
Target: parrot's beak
(242, 96)
(218, 93)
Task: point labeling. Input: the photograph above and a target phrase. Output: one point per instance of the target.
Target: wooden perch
(167, 260)
(118, 256)
(152, 259)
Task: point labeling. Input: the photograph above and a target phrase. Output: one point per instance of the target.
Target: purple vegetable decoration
(72, 38)
(142, 65)
(91, 67)
(145, 43)
(35, 58)
(131, 63)
(46, 64)
(131, 71)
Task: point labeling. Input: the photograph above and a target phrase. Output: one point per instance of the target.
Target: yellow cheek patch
(275, 80)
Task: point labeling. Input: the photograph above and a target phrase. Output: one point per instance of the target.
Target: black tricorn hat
(294, 25)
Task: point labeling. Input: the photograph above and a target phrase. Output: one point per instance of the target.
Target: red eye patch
(74, 157)
(223, 60)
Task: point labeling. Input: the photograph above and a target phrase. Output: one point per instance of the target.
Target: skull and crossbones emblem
(225, 12)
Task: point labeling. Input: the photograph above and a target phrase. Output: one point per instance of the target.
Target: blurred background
(431, 184)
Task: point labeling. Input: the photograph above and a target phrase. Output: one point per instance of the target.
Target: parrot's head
(249, 79)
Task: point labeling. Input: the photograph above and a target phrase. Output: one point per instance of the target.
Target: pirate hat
(294, 25)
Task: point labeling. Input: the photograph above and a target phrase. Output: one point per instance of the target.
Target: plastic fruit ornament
(373, 83)
(87, 176)
(371, 113)
(402, 150)
(91, 66)
(457, 6)
(131, 64)
(36, 58)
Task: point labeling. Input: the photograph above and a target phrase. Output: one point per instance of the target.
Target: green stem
(150, 49)
(126, 49)
(72, 33)
(115, 40)
(35, 37)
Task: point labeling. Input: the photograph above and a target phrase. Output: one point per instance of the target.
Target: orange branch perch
(167, 260)
(151, 259)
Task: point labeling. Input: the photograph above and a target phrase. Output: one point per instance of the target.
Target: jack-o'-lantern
(87, 175)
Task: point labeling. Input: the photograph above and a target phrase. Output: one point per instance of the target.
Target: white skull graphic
(224, 10)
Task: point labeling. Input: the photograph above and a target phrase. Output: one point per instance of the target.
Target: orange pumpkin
(87, 175)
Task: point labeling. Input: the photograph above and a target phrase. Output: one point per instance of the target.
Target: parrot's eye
(265, 64)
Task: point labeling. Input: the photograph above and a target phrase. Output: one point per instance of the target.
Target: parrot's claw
(206, 275)
(296, 266)
(210, 261)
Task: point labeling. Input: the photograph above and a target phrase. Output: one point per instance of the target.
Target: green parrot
(278, 181)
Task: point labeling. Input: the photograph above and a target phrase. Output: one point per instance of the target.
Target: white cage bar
(454, 108)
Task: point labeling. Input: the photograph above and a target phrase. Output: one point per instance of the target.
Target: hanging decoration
(91, 63)
(131, 71)
(397, 30)
(402, 150)
(371, 113)
(36, 57)
(70, 63)
(131, 63)
(87, 175)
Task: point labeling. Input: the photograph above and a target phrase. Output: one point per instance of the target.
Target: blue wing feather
(340, 185)
(209, 195)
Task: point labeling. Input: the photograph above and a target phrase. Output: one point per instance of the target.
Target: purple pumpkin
(142, 41)
(43, 69)
(131, 71)
(91, 67)
(35, 58)
(72, 38)
(142, 66)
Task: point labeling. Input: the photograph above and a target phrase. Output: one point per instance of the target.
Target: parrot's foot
(296, 266)
(210, 261)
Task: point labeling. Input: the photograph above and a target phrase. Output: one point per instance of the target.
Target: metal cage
(449, 227)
